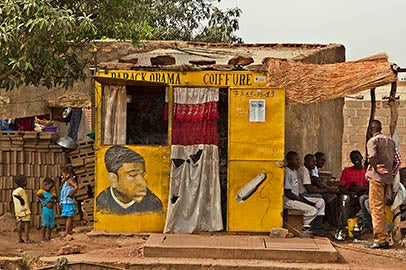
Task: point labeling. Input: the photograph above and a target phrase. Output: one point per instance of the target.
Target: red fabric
(25, 124)
(195, 123)
(196, 112)
(166, 108)
(351, 175)
(190, 133)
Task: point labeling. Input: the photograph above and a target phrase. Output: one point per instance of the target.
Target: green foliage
(190, 20)
(39, 39)
(38, 44)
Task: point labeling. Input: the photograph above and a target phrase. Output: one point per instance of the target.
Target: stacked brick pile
(34, 155)
(82, 160)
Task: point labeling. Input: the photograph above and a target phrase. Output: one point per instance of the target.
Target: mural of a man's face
(129, 182)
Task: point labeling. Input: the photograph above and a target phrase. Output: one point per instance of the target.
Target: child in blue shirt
(47, 199)
(67, 199)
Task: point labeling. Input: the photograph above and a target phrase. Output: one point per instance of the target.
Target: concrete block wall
(356, 117)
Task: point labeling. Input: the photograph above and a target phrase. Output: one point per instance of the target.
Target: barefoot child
(47, 199)
(68, 203)
(22, 209)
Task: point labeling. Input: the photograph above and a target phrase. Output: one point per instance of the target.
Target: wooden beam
(393, 109)
(372, 113)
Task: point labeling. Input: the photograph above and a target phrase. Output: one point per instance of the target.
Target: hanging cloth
(74, 123)
(194, 191)
(194, 194)
(195, 115)
(114, 114)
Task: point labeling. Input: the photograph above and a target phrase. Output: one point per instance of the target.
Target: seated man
(307, 190)
(317, 183)
(366, 211)
(313, 187)
(292, 199)
(329, 193)
(353, 185)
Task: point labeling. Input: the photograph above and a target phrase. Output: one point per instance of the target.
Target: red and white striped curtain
(194, 191)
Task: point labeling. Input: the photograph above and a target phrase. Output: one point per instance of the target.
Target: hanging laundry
(76, 116)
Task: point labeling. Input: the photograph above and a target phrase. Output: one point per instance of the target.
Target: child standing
(68, 190)
(47, 199)
(22, 209)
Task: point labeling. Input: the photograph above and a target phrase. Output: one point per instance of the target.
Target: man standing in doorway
(384, 161)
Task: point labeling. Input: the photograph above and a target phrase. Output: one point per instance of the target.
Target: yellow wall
(157, 163)
(254, 143)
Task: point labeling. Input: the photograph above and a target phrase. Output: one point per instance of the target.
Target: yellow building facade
(255, 140)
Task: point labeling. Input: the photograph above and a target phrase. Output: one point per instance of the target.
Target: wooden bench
(293, 221)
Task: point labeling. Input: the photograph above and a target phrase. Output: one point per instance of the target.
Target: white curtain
(196, 95)
(194, 195)
(114, 114)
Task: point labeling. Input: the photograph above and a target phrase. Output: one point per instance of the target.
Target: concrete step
(243, 247)
(166, 263)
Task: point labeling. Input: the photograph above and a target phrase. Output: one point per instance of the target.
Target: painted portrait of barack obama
(128, 192)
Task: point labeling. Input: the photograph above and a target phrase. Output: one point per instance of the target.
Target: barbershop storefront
(188, 151)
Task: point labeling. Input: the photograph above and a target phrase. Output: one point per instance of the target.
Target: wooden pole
(372, 113)
(396, 234)
(371, 118)
(393, 109)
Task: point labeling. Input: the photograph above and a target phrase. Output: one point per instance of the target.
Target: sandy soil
(129, 249)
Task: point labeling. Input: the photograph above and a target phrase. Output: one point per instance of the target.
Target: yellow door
(256, 137)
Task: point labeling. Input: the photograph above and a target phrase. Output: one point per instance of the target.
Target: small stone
(279, 233)
(128, 59)
(163, 60)
(241, 60)
(82, 229)
(69, 249)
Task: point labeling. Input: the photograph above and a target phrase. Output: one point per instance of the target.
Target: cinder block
(363, 113)
(15, 147)
(349, 113)
(6, 157)
(8, 195)
(36, 221)
(20, 157)
(352, 104)
(12, 133)
(4, 148)
(5, 141)
(47, 135)
(55, 148)
(17, 140)
(37, 170)
(30, 135)
(359, 122)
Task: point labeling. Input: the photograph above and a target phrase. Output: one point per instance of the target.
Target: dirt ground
(128, 249)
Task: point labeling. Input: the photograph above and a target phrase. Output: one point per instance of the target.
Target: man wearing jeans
(384, 161)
